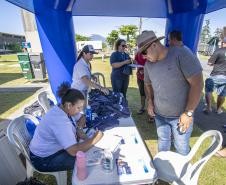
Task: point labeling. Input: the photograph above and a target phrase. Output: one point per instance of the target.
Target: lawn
(212, 174)
(203, 57)
(11, 74)
(6, 58)
(10, 102)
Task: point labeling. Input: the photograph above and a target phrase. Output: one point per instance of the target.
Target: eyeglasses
(124, 46)
(144, 52)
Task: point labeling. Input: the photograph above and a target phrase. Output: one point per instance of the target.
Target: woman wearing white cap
(82, 72)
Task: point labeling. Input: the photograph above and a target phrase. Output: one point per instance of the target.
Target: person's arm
(89, 83)
(120, 64)
(195, 91)
(194, 95)
(148, 91)
(114, 60)
(150, 98)
(213, 59)
(192, 71)
(80, 124)
(86, 145)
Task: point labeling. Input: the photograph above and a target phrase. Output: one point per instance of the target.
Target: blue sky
(10, 22)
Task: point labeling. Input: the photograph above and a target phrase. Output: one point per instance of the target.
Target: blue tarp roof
(123, 8)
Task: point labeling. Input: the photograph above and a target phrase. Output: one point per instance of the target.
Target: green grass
(213, 172)
(6, 58)
(203, 57)
(11, 74)
(10, 102)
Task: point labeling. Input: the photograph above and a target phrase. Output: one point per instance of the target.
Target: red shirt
(141, 61)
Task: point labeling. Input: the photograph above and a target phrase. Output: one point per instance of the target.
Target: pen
(144, 166)
(135, 140)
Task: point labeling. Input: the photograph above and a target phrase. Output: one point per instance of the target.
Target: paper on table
(109, 141)
(135, 65)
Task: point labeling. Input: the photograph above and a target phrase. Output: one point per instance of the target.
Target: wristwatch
(189, 113)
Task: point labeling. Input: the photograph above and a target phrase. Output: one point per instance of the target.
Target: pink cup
(82, 172)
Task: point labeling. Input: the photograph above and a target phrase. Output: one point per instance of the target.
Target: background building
(9, 43)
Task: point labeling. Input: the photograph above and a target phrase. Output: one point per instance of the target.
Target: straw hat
(146, 38)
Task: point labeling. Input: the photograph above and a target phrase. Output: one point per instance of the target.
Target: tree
(81, 38)
(128, 31)
(205, 33)
(14, 47)
(219, 33)
(104, 45)
(112, 37)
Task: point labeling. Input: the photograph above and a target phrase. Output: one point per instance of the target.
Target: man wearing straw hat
(173, 82)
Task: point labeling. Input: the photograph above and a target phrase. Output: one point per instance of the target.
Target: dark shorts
(217, 83)
(140, 84)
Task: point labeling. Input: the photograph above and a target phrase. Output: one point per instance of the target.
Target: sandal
(141, 111)
(221, 153)
(151, 120)
(219, 111)
(207, 111)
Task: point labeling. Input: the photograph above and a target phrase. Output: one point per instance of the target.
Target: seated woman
(82, 72)
(54, 145)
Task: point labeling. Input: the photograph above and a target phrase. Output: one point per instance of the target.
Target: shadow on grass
(210, 121)
(9, 100)
(7, 77)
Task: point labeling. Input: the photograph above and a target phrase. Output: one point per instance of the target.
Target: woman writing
(54, 145)
(82, 72)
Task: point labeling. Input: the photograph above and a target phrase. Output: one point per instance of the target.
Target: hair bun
(62, 89)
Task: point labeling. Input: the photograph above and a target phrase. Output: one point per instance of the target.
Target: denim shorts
(217, 83)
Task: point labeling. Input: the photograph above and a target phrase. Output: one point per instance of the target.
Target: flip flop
(206, 111)
(219, 111)
(151, 120)
(217, 154)
(141, 111)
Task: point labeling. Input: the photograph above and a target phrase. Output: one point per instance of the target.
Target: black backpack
(31, 181)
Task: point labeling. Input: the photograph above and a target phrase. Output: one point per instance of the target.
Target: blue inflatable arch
(56, 30)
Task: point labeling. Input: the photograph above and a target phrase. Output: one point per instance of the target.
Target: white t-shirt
(80, 70)
(55, 132)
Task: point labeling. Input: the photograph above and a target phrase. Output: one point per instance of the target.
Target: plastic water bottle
(82, 172)
(88, 116)
(107, 161)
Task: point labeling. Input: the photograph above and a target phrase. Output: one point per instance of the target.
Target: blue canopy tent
(56, 31)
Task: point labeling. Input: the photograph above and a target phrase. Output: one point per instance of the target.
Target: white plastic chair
(43, 100)
(96, 77)
(177, 169)
(18, 136)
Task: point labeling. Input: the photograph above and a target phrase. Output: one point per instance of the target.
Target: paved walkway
(212, 120)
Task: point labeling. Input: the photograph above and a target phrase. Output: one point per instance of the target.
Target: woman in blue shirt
(119, 59)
